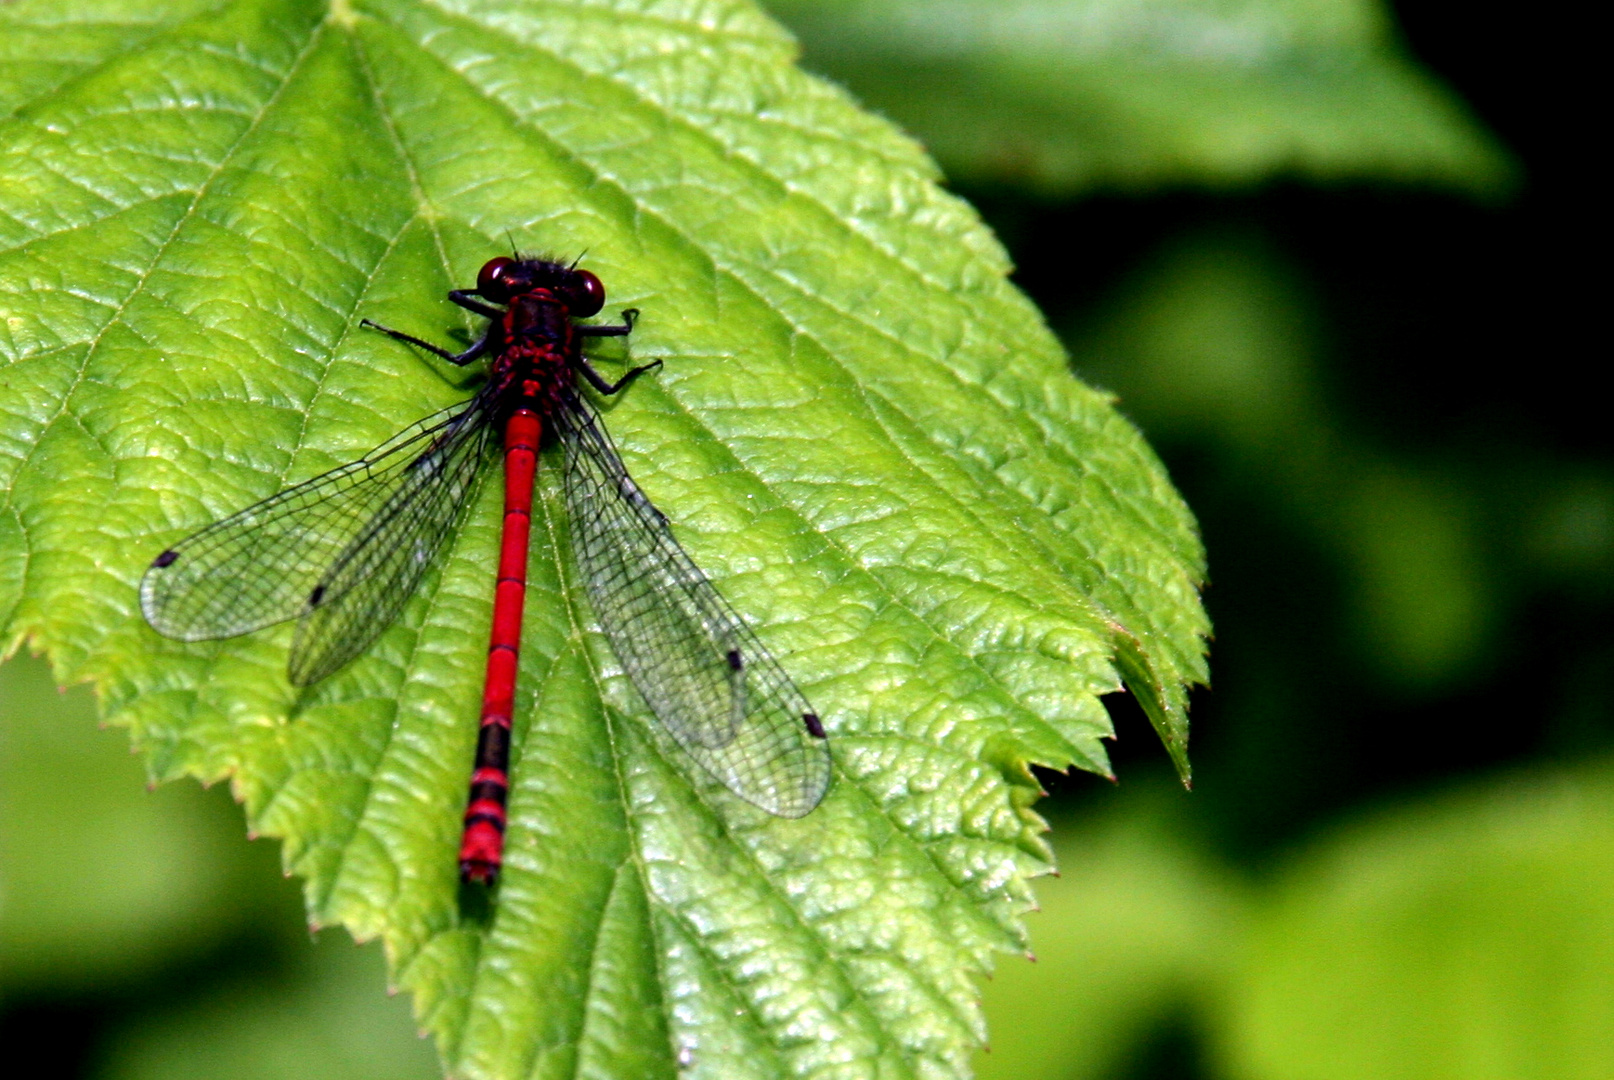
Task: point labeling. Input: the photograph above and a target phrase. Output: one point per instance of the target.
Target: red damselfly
(342, 553)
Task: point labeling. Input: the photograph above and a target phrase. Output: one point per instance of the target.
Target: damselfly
(342, 553)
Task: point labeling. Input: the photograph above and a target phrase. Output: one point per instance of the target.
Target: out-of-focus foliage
(102, 881)
(1466, 936)
(1215, 342)
(1136, 923)
(322, 1019)
(1470, 937)
(108, 886)
(1066, 96)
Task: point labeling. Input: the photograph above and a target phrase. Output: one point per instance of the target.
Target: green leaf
(1469, 938)
(1074, 95)
(862, 432)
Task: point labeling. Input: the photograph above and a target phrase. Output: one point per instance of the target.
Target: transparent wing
(342, 551)
(707, 677)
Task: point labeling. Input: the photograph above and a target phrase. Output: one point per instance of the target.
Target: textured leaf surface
(862, 432)
(1070, 95)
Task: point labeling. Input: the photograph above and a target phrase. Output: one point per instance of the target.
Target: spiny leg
(597, 381)
(462, 297)
(624, 330)
(476, 349)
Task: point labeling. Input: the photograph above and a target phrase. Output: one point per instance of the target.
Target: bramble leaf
(861, 431)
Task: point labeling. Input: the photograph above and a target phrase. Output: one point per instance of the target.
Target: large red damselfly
(342, 553)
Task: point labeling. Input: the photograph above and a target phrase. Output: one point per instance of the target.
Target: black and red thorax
(534, 345)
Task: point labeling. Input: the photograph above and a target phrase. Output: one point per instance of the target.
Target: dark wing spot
(814, 728)
(165, 559)
(735, 661)
(316, 596)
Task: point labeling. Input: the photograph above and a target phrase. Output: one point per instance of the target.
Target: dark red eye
(586, 295)
(490, 280)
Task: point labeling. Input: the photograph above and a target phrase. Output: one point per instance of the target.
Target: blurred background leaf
(1470, 936)
(1216, 340)
(321, 1018)
(101, 880)
(1137, 924)
(139, 916)
(1071, 96)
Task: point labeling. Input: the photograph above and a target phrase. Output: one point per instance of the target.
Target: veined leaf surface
(861, 431)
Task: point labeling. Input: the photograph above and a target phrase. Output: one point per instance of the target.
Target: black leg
(597, 381)
(477, 348)
(611, 331)
(462, 297)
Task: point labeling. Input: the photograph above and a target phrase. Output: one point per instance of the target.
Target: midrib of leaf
(619, 832)
(425, 210)
(539, 674)
(602, 1024)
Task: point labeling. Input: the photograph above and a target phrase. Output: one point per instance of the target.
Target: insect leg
(477, 349)
(462, 297)
(624, 330)
(597, 381)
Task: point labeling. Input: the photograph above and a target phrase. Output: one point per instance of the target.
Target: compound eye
(490, 283)
(587, 295)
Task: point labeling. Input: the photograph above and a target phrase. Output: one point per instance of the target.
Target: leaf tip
(1162, 701)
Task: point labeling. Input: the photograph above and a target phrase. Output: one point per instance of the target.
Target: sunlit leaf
(861, 431)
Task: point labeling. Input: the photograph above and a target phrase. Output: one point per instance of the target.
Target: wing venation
(342, 552)
(704, 673)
